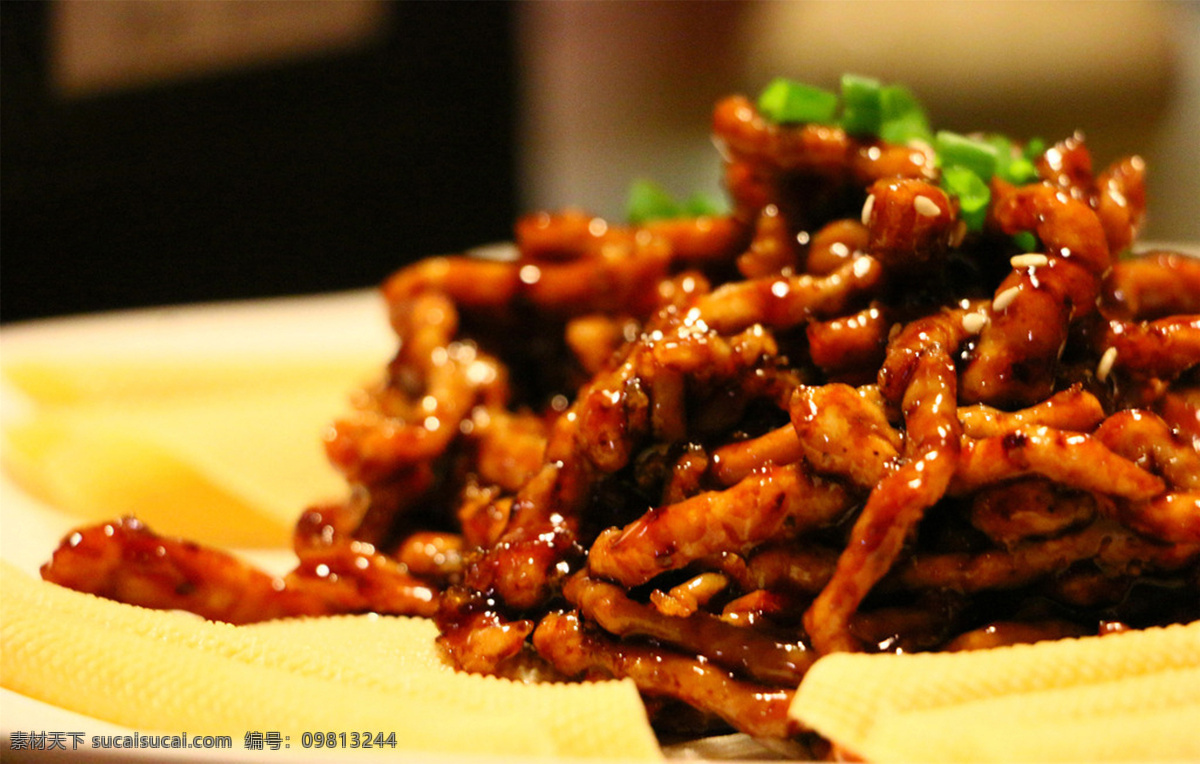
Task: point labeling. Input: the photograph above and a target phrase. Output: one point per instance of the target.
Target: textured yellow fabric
(223, 452)
(1133, 696)
(174, 672)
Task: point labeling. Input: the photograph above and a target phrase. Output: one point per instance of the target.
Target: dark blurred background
(168, 151)
(173, 152)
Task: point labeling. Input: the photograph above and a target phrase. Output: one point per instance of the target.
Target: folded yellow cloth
(173, 672)
(221, 451)
(1133, 696)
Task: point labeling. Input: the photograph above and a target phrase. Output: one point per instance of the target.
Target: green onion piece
(702, 205)
(1003, 147)
(649, 201)
(1034, 148)
(1019, 171)
(972, 193)
(901, 115)
(862, 105)
(1010, 165)
(902, 131)
(785, 101)
(899, 102)
(1026, 241)
(978, 156)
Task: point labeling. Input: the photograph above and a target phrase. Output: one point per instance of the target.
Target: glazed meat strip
(1155, 285)
(125, 561)
(1033, 308)
(576, 651)
(751, 654)
(869, 407)
(919, 375)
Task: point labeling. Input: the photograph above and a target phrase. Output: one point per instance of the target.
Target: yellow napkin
(173, 672)
(223, 451)
(1133, 696)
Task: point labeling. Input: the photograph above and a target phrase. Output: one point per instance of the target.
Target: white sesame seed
(974, 322)
(1005, 298)
(893, 331)
(926, 207)
(1104, 368)
(1031, 260)
(868, 205)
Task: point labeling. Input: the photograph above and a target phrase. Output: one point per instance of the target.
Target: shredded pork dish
(904, 390)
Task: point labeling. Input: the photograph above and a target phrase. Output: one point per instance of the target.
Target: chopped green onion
(649, 201)
(785, 101)
(901, 115)
(702, 205)
(862, 105)
(1002, 145)
(978, 156)
(903, 131)
(1011, 166)
(898, 101)
(1019, 171)
(1026, 241)
(1022, 168)
(867, 108)
(893, 113)
(972, 193)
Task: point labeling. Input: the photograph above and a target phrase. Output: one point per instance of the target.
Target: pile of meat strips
(702, 451)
